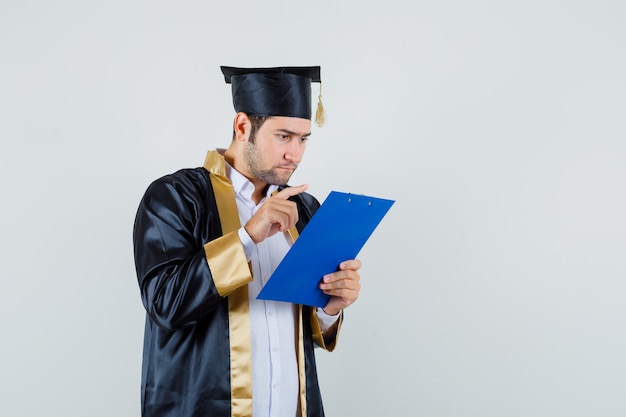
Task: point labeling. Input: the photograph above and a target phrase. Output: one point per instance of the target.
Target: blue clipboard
(337, 232)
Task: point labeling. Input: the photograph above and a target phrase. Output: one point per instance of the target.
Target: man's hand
(276, 214)
(343, 286)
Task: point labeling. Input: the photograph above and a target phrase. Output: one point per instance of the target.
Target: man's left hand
(343, 286)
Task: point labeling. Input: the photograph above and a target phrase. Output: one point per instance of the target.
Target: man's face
(275, 151)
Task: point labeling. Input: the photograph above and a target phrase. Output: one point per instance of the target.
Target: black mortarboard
(277, 91)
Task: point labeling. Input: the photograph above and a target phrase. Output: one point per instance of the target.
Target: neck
(260, 187)
(260, 190)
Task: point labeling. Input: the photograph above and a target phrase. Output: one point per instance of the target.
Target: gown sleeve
(176, 220)
(325, 339)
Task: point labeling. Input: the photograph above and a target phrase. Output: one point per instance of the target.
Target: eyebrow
(292, 133)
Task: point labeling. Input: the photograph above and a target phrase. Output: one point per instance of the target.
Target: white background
(495, 285)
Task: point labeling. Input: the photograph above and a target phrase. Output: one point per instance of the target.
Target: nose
(295, 151)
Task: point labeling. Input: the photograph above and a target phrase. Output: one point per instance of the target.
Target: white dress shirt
(275, 383)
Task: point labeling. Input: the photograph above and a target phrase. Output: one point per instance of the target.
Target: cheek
(270, 155)
(277, 152)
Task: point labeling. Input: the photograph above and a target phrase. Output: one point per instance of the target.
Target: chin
(281, 181)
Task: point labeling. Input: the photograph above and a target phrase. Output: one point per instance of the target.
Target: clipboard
(337, 232)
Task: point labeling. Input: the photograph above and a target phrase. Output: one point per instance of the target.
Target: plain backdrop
(494, 287)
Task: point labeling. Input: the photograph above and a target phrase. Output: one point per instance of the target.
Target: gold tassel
(320, 117)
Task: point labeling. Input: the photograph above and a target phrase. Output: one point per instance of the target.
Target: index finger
(291, 191)
(354, 264)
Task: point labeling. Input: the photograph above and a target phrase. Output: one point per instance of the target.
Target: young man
(207, 239)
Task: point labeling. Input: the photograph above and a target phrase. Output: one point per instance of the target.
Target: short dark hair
(256, 122)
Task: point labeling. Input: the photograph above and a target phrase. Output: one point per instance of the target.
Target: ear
(242, 127)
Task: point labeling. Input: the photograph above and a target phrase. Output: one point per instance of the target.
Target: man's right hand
(276, 214)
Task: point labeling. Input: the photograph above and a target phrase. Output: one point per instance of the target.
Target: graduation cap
(276, 91)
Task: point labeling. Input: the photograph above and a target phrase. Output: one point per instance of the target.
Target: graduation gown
(193, 276)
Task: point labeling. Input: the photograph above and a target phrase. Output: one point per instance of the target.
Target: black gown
(193, 277)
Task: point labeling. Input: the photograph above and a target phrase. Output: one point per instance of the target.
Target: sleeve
(325, 338)
(176, 283)
(326, 320)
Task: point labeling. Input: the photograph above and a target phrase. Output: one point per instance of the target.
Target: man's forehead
(293, 125)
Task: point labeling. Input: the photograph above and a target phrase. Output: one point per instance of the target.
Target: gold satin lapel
(240, 353)
(293, 232)
(301, 364)
(238, 304)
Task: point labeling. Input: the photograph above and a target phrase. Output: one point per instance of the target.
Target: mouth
(290, 168)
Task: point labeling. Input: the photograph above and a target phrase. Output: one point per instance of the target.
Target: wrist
(331, 311)
(256, 241)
